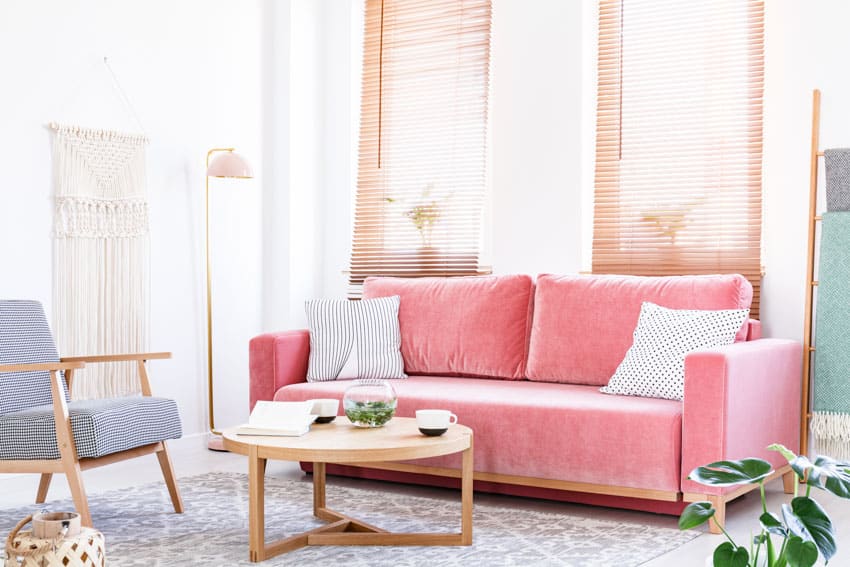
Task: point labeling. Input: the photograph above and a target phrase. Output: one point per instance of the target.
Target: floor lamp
(226, 164)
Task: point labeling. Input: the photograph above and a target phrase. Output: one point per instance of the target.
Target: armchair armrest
(738, 400)
(275, 360)
(117, 357)
(41, 366)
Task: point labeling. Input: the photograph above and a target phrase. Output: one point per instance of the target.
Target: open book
(279, 418)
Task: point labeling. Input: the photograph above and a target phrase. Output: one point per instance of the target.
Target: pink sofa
(522, 362)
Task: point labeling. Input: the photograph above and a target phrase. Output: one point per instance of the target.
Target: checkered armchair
(43, 431)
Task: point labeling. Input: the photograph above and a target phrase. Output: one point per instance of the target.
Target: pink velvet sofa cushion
(469, 326)
(583, 325)
(543, 430)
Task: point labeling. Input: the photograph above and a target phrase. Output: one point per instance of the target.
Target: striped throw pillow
(354, 339)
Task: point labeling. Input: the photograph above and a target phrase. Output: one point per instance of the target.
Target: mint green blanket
(831, 419)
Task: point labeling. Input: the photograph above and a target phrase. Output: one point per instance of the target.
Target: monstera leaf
(807, 520)
(772, 524)
(731, 473)
(825, 473)
(786, 452)
(695, 514)
(799, 553)
(727, 555)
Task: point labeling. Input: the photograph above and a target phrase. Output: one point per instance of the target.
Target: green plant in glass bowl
(796, 538)
(369, 414)
(370, 403)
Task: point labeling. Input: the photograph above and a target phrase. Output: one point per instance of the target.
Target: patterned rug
(142, 531)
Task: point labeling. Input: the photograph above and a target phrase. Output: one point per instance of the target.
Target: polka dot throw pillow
(654, 366)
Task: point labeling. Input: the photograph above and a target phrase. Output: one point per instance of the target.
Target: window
(679, 138)
(422, 165)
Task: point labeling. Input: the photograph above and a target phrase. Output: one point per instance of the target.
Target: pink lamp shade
(229, 164)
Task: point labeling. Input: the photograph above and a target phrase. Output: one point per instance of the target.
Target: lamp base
(215, 442)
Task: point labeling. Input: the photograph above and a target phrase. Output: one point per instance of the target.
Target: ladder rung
(815, 282)
(818, 217)
(811, 349)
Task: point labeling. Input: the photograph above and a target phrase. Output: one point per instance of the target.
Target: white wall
(306, 144)
(805, 48)
(192, 71)
(536, 133)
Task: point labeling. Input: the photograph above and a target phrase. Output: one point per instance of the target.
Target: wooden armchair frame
(69, 463)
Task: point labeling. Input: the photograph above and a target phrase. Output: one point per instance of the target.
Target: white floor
(191, 457)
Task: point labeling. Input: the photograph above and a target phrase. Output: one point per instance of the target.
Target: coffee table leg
(256, 506)
(318, 487)
(466, 497)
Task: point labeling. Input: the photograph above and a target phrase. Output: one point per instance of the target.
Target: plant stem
(771, 552)
(763, 500)
(782, 549)
(755, 555)
(732, 541)
(808, 490)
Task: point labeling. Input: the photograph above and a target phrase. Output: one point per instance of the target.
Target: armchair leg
(78, 492)
(43, 487)
(170, 480)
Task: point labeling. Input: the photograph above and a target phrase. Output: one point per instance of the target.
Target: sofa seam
(529, 327)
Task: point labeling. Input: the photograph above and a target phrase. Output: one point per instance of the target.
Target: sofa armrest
(753, 329)
(738, 400)
(275, 360)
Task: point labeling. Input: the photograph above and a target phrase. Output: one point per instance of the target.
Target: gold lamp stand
(230, 165)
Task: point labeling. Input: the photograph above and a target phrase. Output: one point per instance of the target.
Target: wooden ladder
(811, 282)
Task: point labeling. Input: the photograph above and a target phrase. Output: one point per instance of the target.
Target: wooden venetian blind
(679, 138)
(422, 169)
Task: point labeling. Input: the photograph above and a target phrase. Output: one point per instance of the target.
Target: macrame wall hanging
(101, 254)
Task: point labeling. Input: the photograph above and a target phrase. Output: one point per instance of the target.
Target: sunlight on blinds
(679, 138)
(422, 165)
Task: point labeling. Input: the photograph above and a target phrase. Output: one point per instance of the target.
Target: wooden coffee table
(341, 442)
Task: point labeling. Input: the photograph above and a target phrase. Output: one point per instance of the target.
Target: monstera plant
(796, 537)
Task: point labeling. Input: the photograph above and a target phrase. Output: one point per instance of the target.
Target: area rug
(142, 531)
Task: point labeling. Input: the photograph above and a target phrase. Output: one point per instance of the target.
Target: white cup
(434, 421)
(326, 409)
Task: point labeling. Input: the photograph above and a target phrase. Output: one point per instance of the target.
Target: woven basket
(86, 549)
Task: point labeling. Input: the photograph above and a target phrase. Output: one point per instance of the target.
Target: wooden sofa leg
(789, 479)
(78, 492)
(719, 518)
(43, 487)
(170, 481)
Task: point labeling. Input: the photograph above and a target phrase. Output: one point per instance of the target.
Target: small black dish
(325, 418)
(433, 432)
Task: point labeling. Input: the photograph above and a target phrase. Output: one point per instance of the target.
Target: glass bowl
(370, 402)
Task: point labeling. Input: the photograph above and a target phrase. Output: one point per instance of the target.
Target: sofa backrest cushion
(583, 325)
(463, 326)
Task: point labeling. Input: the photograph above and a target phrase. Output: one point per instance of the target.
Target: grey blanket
(837, 164)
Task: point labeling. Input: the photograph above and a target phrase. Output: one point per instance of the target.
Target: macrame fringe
(831, 433)
(101, 251)
(97, 134)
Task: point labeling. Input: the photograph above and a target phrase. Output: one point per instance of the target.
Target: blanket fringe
(831, 432)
